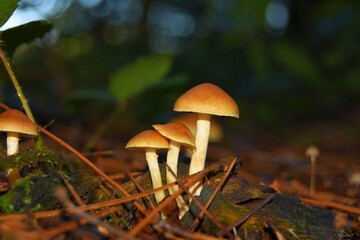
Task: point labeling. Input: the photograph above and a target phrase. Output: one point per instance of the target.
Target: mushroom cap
(176, 132)
(148, 139)
(13, 120)
(207, 98)
(312, 150)
(189, 120)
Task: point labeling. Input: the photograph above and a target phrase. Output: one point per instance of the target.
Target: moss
(40, 176)
(33, 162)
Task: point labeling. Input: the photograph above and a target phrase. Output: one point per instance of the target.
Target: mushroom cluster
(205, 99)
(202, 100)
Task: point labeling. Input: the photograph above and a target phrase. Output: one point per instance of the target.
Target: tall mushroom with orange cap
(150, 141)
(178, 134)
(16, 124)
(206, 99)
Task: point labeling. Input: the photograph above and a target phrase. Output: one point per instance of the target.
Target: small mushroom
(16, 124)
(205, 99)
(178, 134)
(150, 141)
(312, 152)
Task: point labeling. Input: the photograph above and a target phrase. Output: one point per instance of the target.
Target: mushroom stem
(313, 174)
(12, 143)
(172, 162)
(154, 169)
(197, 163)
(312, 151)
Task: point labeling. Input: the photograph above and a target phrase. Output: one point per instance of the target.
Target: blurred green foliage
(23, 34)
(134, 78)
(7, 7)
(306, 68)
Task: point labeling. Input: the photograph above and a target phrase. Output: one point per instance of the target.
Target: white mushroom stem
(12, 143)
(154, 169)
(313, 174)
(197, 163)
(172, 162)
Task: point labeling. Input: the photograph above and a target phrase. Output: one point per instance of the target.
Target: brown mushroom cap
(209, 99)
(13, 120)
(176, 132)
(148, 139)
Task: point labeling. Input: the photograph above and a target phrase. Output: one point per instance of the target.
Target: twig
(61, 194)
(343, 222)
(17, 87)
(184, 233)
(269, 223)
(196, 201)
(3, 106)
(72, 191)
(211, 199)
(92, 166)
(194, 179)
(55, 231)
(132, 179)
(246, 217)
(331, 205)
(20, 94)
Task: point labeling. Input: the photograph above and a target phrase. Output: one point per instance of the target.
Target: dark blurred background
(293, 67)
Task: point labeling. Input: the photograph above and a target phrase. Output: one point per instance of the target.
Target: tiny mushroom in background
(205, 99)
(312, 152)
(150, 141)
(16, 124)
(178, 135)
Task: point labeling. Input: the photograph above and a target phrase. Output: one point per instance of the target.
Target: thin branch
(246, 217)
(330, 204)
(193, 179)
(61, 194)
(92, 166)
(211, 199)
(196, 201)
(184, 233)
(17, 87)
(132, 179)
(72, 191)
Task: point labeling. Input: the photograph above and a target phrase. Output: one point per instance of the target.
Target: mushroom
(178, 134)
(312, 152)
(189, 119)
(16, 124)
(205, 99)
(150, 141)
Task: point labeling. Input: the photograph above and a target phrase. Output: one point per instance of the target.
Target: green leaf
(135, 77)
(7, 8)
(13, 37)
(296, 62)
